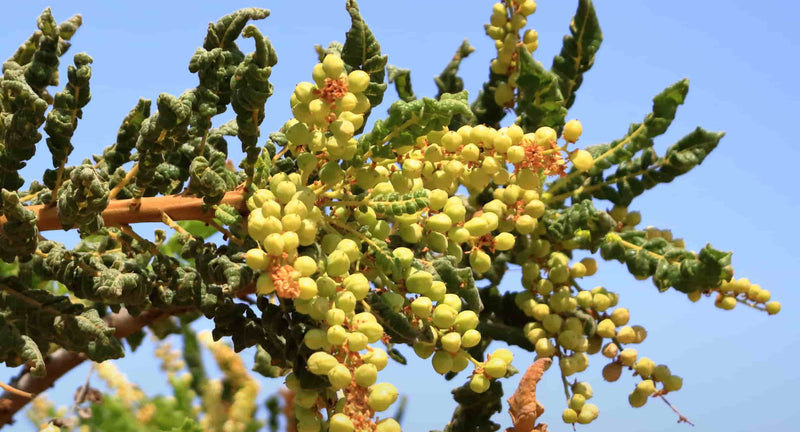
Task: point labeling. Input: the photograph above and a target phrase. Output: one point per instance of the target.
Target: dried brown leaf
(522, 405)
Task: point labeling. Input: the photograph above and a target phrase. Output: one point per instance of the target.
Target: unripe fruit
(572, 130)
(479, 383)
(545, 348)
(265, 284)
(582, 160)
(339, 376)
(569, 415)
(600, 302)
(606, 329)
(626, 335)
(319, 363)
(422, 307)
(333, 66)
(424, 350)
(673, 383)
(610, 350)
(470, 338)
(504, 241)
(451, 342)
(357, 341)
(357, 81)
(618, 213)
(640, 332)
(465, 320)
(584, 389)
(315, 339)
(336, 335)
(773, 307)
(366, 375)
(387, 425)
(337, 264)
(377, 357)
(381, 396)
(256, 259)
(480, 261)
(552, 323)
(637, 399)
(612, 371)
(620, 316)
(442, 362)
(527, 7)
(495, 368)
(646, 386)
(308, 288)
(628, 356)
(591, 266)
(576, 402)
(444, 316)
(357, 284)
(644, 367)
(419, 282)
(305, 265)
(373, 331)
(439, 222)
(661, 373)
(340, 423)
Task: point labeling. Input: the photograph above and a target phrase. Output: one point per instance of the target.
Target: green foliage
(362, 51)
(334, 240)
(578, 51)
(402, 82)
(541, 102)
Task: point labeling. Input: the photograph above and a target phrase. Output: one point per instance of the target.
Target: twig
(225, 232)
(16, 391)
(681, 417)
(127, 179)
(151, 247)
(84, 390)
(120, 212)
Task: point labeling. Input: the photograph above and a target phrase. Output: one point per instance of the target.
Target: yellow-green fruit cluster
(496, 366)
(736, 290)
(328, 111)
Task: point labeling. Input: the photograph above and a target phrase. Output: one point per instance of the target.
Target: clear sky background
(739, 367)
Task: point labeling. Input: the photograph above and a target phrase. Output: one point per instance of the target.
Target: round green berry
(569, 416)
(377, 357)
(470, 338)
(256, 259)
(357, 81)
(340, 423)
(444, 316)
(419, 282)
(382, 396)
(357, 341)
(339, 376)
(336, 335)
(495, 368)
(319, 363)
(338, 263)
(442, 362)
(387, 425)
(773, 307)
(572, 130)
(366, 375)
(479, 383)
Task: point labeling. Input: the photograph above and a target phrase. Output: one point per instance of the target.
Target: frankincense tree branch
(129, 211)
(62, 361)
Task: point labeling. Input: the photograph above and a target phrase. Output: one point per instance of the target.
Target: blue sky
(738, 367)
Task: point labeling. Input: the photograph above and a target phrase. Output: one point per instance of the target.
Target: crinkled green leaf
(578, 51)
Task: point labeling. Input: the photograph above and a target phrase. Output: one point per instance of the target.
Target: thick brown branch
(124, 212)
(62, 361)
